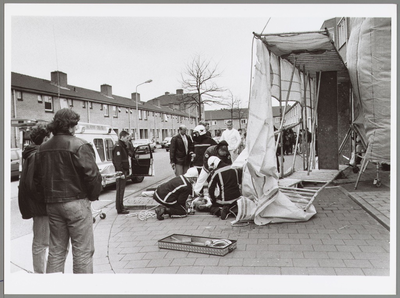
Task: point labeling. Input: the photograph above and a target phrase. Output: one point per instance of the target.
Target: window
(70, 103)
(48, 103)
(39, 99)
(90, 105)
(342, 32)
(106, 111)
(84, 104)
(145, 115)
(99, 145)
(109, 149)
(115, 112)
(214, 122)
(18, 95)
(140, 114)
(243, 121)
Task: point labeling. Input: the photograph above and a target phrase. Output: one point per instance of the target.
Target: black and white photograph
(209, 149)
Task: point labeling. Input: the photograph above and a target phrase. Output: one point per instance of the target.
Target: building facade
(37, 100)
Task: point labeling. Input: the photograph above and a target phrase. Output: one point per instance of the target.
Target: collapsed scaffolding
(288, 68)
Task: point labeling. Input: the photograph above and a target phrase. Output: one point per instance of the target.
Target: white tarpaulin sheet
(369, 65)
(263, 202)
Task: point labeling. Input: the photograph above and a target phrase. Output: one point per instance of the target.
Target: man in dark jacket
(68, 178)
(29, 204)
(181, 151)
(121, 164)
(221, 151)
(224, 187)
(172, 195)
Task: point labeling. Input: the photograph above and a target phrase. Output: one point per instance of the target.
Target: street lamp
(137, 109)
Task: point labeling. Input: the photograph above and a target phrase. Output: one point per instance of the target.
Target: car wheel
(137, 179)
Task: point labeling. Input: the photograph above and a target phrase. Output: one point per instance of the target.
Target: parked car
(144, 145)
(166, 143)
(103, 138)
(14, 164)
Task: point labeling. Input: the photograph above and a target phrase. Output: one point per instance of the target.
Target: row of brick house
(38, 99)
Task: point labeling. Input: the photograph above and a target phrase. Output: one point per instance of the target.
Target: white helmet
(200, 129)
(192, 173)
(213, 162)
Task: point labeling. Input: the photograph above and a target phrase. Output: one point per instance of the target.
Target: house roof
(168, 99)
(27, 83)
(315, 50)
(224, 114)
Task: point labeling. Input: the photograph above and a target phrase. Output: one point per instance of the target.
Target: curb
(376, 214)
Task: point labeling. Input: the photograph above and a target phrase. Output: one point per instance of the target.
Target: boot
(167, 211)
(160, 210)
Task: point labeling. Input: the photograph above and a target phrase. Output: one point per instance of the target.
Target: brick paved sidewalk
(341, 239)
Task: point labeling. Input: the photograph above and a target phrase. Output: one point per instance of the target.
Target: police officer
(121, 163)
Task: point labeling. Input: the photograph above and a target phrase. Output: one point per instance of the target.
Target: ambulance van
(103, 138)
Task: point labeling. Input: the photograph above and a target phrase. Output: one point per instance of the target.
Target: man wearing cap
(172, 195)
(221, 151)
(233, 138)
(181, 151)
(224, 187)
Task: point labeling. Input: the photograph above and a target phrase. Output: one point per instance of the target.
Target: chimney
(133, 96)
(106, 90)
(179, 91)
(59, 78)
(167, 93)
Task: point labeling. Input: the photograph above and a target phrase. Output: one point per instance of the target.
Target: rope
(143, 214)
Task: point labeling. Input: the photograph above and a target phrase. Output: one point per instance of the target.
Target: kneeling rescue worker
(172, 195)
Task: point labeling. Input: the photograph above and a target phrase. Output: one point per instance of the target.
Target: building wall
(154, 127)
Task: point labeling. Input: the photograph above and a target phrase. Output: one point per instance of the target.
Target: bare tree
(198, 81)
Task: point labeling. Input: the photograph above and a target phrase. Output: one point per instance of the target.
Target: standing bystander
(232, 137)
(181, 151)
(30, 205)
(67, 176)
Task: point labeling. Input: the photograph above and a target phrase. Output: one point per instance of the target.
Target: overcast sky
(125, 45)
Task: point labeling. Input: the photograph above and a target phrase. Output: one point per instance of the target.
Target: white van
(103, 138)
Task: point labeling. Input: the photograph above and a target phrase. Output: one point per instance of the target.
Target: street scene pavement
(349, 235)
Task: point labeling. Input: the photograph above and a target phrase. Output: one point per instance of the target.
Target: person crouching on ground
(172, 195)
(224, 187)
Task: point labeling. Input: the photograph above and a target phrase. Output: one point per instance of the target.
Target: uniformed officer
(121, 163)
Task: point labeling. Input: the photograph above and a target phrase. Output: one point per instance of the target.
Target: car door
(142, 164)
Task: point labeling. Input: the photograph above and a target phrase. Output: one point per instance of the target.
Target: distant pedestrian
(232, 137)
(172, 195)
(68, 177)
(30, 204)
(217, 136)
(242, 144)
(181, 151)
(120, 161)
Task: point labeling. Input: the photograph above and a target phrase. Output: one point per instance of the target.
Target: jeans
(71, 220)
(119, 201)
(40, 243)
